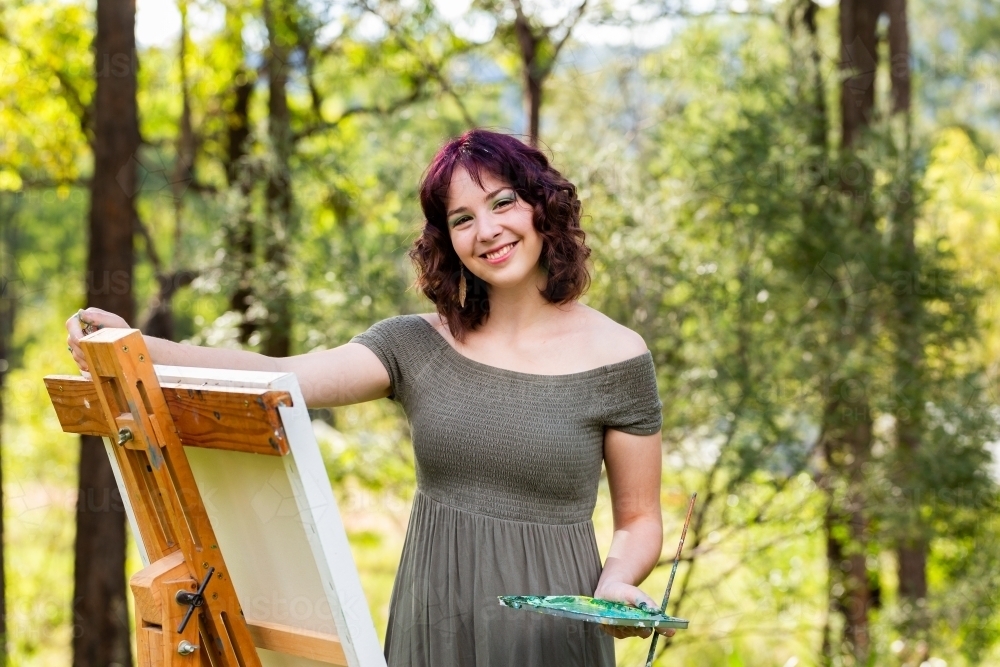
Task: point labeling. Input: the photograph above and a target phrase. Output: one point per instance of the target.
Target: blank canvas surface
(279, 528)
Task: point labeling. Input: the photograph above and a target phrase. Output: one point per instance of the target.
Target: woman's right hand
(85, 322)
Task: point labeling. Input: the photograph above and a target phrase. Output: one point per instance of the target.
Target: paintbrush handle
(670, 581)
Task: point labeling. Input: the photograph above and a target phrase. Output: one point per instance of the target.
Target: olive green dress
(507, 465)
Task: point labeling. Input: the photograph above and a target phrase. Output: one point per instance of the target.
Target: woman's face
(492, 230)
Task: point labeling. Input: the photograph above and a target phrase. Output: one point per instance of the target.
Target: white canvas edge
(325, 530)
(326, 533)
(116, 469)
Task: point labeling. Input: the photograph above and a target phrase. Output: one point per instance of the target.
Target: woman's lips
(507, 250)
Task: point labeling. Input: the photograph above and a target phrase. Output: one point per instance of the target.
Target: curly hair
(556, 215)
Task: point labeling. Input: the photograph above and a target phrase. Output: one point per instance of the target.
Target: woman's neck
(519, 309)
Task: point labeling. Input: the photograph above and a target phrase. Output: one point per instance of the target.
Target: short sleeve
(633, 401)
(391, 340)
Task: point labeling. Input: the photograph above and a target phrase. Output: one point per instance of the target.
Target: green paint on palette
(592, 610)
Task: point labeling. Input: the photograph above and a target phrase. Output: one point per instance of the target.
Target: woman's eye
(460, 221)
(503, 203)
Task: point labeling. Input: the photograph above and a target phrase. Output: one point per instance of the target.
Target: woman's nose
(488, 228)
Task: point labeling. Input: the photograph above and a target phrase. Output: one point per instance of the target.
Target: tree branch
(322, 126)
(154, 257)
(569, 30)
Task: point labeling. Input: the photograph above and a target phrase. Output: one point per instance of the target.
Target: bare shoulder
(435, 321)
(611, 341)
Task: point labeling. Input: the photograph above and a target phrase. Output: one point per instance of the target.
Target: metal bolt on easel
(186, 647)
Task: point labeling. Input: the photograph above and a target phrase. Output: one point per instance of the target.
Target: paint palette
(583, 608)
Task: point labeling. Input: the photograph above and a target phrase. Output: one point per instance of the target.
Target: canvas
(272, 511)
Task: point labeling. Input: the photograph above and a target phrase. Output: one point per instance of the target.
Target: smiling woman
(516, 395)
(508, 459)
(483, 192)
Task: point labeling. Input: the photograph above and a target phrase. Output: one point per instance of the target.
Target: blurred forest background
(795, 203)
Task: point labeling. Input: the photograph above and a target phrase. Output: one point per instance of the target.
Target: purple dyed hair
(552, 198)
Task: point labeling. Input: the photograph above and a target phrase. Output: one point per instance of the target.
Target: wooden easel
(186, 607)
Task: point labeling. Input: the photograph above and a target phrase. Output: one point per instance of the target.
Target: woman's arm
(347, 374)
(633, 465)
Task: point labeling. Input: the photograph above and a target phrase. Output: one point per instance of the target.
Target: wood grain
(149, 646)
(148, 602)
(241, 420)
(221, 418)
(297, 642)
(77, 406)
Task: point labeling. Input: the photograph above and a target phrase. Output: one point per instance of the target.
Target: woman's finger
(88, 322)
(82, 365)
(78, 357)
(645, 602)
(624, 632)
(84, 322)
(74, 327)
(101, 318)
(75, 331)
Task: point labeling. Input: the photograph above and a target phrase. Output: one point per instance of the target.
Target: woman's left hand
(618, 591)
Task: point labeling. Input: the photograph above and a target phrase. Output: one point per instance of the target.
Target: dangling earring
(461, 289)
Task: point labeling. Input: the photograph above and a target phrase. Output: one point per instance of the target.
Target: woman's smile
(500, 255)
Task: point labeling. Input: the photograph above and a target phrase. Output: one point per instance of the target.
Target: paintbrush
(670, 582)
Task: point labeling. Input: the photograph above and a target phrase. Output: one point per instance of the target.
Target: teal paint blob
(592, 610)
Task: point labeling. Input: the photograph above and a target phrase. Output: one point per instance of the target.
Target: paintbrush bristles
(673, 572)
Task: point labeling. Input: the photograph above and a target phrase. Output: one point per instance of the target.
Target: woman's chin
(509, 280)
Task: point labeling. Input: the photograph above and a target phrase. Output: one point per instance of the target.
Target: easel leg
(158, 615)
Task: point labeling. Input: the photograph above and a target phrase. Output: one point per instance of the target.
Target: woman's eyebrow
(488, 197)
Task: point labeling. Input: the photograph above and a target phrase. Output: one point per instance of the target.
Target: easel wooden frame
(152, 415)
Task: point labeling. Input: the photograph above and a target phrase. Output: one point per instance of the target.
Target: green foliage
(720, 232)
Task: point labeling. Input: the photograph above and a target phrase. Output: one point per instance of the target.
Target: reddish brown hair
(556, 209)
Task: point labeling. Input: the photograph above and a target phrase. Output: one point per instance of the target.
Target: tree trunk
(899, 55)
(847, 420)
(859, 60)
(532, 74)
(278, 196)
(100, 611)
(240, 239)
(533, 104)
(847, 427)
(160, 322)
(821, 119)
(240, 233)
(858, 594)
(539, 49)
(183, 169)
(912, 547)
(186, 140)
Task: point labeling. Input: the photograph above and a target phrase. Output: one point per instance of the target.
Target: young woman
(516, 393)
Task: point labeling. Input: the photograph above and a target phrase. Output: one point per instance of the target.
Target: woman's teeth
(501, 252)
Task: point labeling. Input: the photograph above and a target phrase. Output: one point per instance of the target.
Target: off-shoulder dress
(507, 467)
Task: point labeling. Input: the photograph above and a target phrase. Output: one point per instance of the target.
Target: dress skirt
(444, 609)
